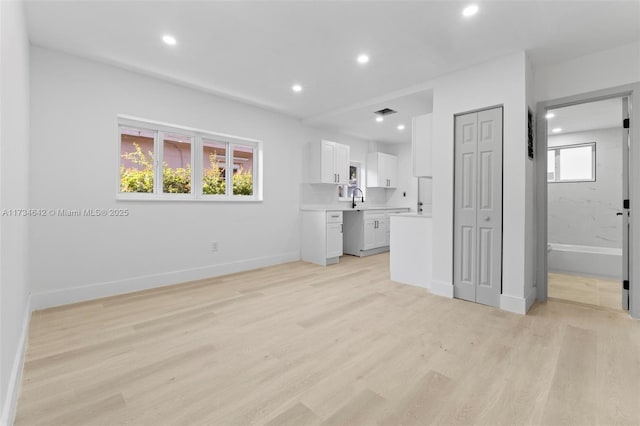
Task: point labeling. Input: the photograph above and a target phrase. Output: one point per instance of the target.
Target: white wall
(74, 164)
(500, 82)
(601, 70)
(406, 193)
(14, 184)
(531, 196)
(584, 213)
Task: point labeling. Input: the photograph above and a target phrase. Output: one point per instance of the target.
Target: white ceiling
(255, 51)
(603, 114)
(360, 121)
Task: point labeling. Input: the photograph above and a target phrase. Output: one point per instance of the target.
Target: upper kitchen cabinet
(421, 146)
(328, 162)
(382, 170)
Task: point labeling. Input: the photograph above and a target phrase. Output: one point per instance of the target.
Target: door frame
(632, 91)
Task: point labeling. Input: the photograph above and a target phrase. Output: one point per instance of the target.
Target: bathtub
(585, 260)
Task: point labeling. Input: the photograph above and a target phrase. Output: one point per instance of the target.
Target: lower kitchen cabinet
(367, 232)
(322, 237)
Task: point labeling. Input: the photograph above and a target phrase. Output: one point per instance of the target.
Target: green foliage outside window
(178, 180)
(137, 179)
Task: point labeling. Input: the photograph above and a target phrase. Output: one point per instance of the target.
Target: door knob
(619, 214)
(486, 218)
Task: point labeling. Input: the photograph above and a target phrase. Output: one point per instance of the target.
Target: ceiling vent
(385, 111)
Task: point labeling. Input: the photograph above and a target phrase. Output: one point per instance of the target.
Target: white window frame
(196, 136)
(558, 148)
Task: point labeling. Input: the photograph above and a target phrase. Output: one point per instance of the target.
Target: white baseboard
(518, 305)
(441, 288)
(531, 298)
(13, 387)
(66, 296)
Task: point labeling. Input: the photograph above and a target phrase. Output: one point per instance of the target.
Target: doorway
(586, 183)
(629, 241)
(477, 257)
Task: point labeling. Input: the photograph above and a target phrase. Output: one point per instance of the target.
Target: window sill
(221, 199)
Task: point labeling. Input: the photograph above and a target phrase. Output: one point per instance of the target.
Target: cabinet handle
(338, 178)
(341, 228)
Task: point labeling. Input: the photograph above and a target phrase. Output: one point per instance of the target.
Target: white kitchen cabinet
(334, 234)
(322, 237)
(421, 146)
(382, 170)
(367, 232)
(375, 230)
(328, 162)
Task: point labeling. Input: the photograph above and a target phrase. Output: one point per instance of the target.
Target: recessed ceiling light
(549, 115)
(169, 39)
(296, 88)
(470, 10)
(556, 129)
(363, 59)
(379, 119)
(400, 127)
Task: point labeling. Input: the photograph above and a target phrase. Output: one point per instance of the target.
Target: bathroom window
(572, 163)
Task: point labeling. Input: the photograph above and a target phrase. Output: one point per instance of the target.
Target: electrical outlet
(214, 246)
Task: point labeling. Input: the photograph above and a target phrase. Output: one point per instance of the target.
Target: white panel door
(478, 207)
(489, 207)
(465, 188)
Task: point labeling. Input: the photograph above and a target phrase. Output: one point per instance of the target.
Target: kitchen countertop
(413, 214)
(347, 208)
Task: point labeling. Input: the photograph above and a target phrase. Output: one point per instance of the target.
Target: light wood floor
(299, 344)
(588, 290)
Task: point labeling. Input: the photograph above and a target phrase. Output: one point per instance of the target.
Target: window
(176, 164)
(345, 192)
(572, 163)
(193, 164)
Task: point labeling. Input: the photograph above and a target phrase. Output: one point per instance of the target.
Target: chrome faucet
(353, 202)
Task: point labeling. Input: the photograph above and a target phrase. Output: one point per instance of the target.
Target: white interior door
(478, 207)
(465, 214)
